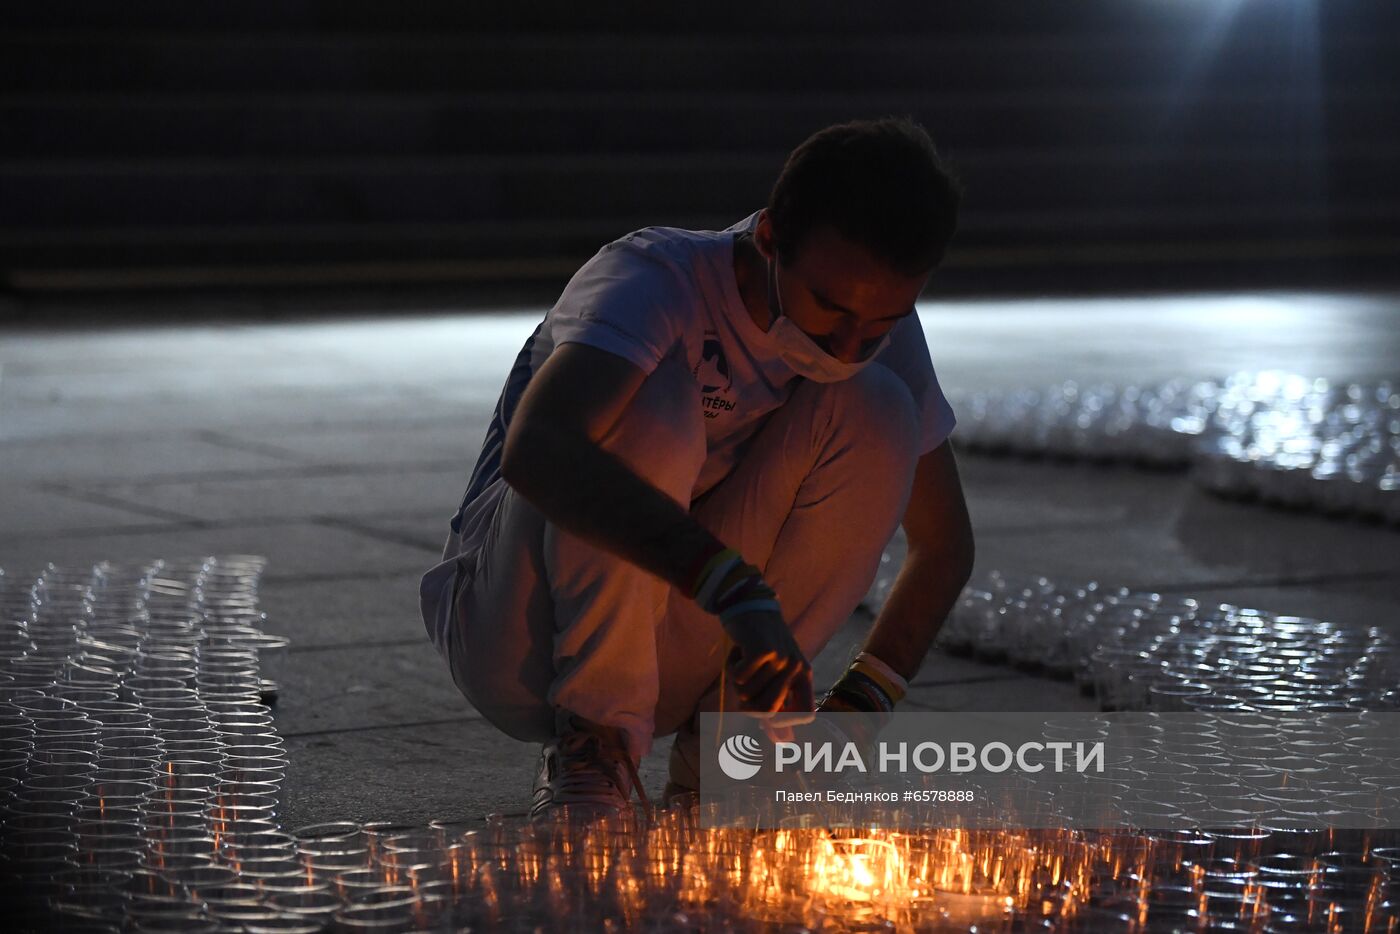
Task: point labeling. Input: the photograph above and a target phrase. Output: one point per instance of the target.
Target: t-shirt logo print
(713, 370)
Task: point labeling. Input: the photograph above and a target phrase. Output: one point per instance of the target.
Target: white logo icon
(740, 757)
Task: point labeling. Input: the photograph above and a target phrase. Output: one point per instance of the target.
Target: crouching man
(696, 462)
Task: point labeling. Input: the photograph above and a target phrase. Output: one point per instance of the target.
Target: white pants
(543, 620)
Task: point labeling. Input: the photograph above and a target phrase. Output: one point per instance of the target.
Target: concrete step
(713, 17)
(1270, 264)
(339, 138)
(38, 62)
(104, 126)
(503, 237)
(44, 195)
(556, 248)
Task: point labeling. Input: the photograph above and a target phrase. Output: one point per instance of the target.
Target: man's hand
(770, 672)
(867, 693)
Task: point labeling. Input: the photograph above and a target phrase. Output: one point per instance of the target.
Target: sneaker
(586, 769)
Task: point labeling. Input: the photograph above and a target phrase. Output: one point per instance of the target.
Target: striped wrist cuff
(862, 693)
(710, 571)
(885, 676)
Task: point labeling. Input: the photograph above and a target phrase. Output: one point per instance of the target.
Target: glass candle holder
(285, 923)
(181, 847)
(48, 802)
(235, 893)
(257, 868)
(315, 902)
(86, 697)
(145, 746)
(327, 861)
(54, 774)
(176, 921)
(121, 794)
(350, 883)
(201, 876)
(30, 852)
(112, 850)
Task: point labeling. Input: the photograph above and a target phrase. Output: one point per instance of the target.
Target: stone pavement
(339, 447)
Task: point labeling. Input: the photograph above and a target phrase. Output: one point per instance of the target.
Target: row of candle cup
(1284, 772)
(98, 635)
(1346, 486)
(1145, 651)
(375, 877)
(1289, 440)
(133, 730)
(1146, 424)
(671, 875)
(204, 851)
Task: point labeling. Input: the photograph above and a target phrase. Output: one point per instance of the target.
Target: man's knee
(521, 715)
(504, 683)
(875, 409)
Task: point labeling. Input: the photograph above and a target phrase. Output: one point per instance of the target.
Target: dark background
(1103, 143)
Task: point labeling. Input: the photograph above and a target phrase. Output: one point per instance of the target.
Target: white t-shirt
(663, 291)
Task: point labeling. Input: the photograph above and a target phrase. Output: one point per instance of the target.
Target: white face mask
(800, 352)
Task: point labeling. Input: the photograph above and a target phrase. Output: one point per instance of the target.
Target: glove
(729, 588)
(770, 672)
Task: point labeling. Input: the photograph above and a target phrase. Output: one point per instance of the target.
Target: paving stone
(940, 668)
(446, 441)
(397, 349)
(414, 774)
(280, 496)
(1208, 543)
(1289, 544)
(141, 380)
(1011, 693)
(107, 459)
(30, 418)
(25, 510)
(1122, 556)
(344, 612)
(294, 550)
(427, 530)
(367, 686)
(408, 774)
(1017, 493)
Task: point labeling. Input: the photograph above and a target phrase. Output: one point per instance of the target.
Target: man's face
(837, 292)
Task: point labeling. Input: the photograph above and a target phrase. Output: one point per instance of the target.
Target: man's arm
(553, 458)
(935, 570)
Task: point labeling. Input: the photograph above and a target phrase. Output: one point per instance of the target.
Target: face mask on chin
(800, 352)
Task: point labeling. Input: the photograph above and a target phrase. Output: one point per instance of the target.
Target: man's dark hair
(879, 183)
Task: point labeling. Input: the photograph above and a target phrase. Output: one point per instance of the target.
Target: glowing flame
(859, 870)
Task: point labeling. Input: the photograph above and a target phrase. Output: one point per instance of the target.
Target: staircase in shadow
(276, 142)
